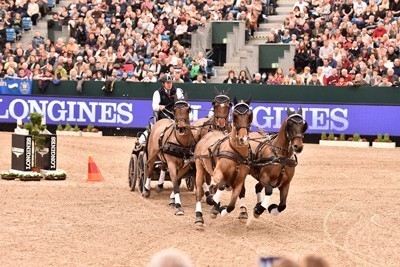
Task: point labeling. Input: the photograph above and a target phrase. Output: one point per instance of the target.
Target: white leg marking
(259, 197)
(147, 185)
(265, 202)
(217, 196)
(172, 195)
(177, 199)
(162, 177)
(198, 207)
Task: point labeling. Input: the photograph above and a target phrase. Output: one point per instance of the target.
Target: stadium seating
(11, 35)
(26, 23)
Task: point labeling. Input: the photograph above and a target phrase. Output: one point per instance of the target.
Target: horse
(226, 158)
(219, 121)
(274, 161)
(172, 142)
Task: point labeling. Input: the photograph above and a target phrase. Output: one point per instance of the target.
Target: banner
(129, 113)
(15, 87)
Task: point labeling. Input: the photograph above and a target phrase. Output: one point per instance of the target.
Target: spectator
(358, 81)
(257, 79)
(231, 78)
(333, 79)
(242, 79)
(33, 11)
(199, 79)
(314, 80)
(375, 79)
(37, 40)
(60, 73)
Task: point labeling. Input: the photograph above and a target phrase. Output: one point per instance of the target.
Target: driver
(163, 104)
(165, 97)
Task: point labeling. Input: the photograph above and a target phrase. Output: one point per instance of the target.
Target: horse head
(222, 105)
(242, 119)
(295, 127)
(181, 114)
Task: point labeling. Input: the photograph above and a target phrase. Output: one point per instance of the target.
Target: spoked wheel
(142, 171)
(190, 182)
(191, 178)
(133, 172)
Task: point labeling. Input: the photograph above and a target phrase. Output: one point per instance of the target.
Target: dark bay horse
(172, 142)
(219, 121)
(226, 158)
(274, 160)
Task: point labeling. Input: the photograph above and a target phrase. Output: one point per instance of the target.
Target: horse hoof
(243, 216)
(199, 222)
(210, 200)
(256, 215)
(146, 193)
(228, 188)
(213, 215)
(214, 211)
(179, 211)
(199, 226)
(159, 188)
(273, 209)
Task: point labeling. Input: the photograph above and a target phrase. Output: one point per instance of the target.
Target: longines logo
(17, 151)
(43, 151)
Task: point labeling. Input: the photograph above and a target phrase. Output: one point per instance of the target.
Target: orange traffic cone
(94, 174)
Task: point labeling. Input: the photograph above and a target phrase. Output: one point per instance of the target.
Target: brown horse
(172, 142)
(226, 158)
(274, 161)
(219, 121)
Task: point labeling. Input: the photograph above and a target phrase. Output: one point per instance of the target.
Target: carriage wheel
(133, 172)
(190, 183)
(142, 170)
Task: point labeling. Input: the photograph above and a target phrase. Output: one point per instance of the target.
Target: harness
(214, 151)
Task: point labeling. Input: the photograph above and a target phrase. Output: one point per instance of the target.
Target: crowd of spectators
(135, 40)
(337, 42)
(341, 43)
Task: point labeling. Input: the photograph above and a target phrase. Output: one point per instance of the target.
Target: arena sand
(343, 204)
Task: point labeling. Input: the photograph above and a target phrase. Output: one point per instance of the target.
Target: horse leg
(176, 182)
(215, 187)
(206, 186)
(172, 199)
(146, 187)
(275, 209)
(160, 185)
(259, 188)
(243, 216)
(260, 207)
(216, 199)
(224, 210)
(200, 173)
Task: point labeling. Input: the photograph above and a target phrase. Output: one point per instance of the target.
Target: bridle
(238, 112)
(300, 120)
(180, 105)
(222, 100)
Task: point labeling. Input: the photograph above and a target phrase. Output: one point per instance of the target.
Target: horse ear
(300, 111)
(235, 101)
(248, 100)
(289, 111)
